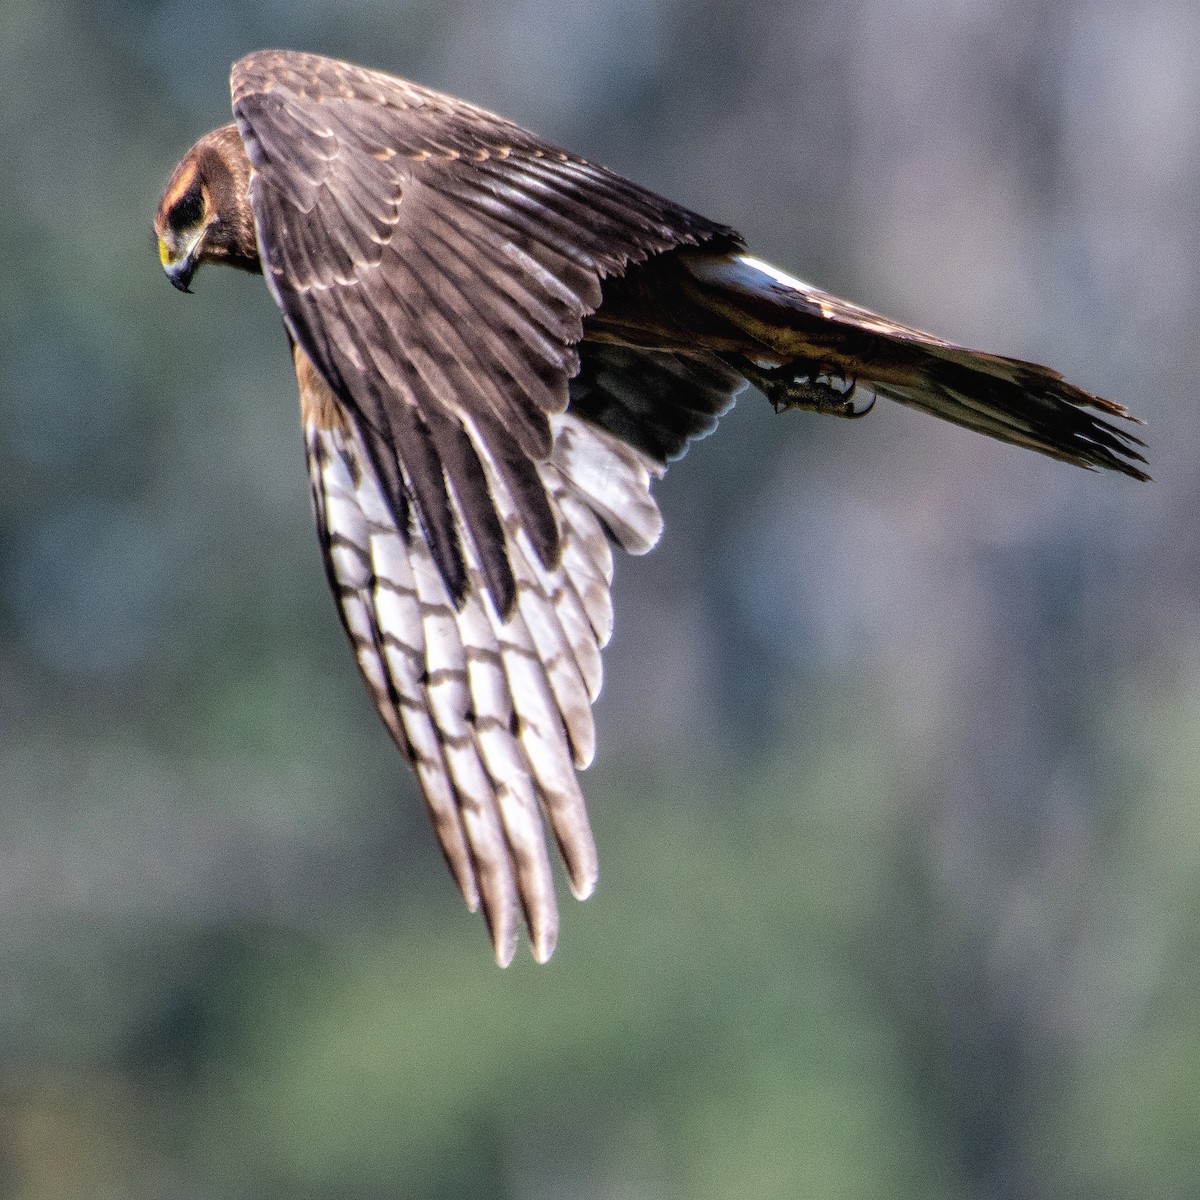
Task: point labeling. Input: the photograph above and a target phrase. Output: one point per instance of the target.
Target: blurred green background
(896, 795)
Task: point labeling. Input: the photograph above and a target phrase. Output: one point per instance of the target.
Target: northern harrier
(499, 346)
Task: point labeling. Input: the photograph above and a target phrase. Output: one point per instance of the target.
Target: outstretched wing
(493, 712)
(434, 265)
(435, 262)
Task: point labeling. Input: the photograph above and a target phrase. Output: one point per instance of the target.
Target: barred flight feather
(494, 711)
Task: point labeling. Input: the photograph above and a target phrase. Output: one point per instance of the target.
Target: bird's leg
(820, 389)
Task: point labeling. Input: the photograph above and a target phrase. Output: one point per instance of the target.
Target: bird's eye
(189, 212)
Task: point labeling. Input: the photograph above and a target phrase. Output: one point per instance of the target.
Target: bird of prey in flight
(499, 346)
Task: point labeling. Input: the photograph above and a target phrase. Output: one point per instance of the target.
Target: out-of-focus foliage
(898, 792)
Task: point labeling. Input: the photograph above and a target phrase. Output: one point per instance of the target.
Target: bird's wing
(436, 262)
(492, 712)
(434, 265)
(656, 400)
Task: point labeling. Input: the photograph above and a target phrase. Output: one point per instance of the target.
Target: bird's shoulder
(401, 116)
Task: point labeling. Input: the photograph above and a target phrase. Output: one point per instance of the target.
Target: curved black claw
(855, 414)
(807, 386)
(812, 393)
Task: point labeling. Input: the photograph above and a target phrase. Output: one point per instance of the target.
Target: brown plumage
(498, 346)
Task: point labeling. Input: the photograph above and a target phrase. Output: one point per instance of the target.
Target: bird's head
(205, 214)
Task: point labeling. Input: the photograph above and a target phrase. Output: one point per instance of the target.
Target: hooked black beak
(180, 273)
(179, 267)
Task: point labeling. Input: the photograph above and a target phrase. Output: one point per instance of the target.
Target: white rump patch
(746, 273)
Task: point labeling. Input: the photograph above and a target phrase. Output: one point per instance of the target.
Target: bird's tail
(806, 348)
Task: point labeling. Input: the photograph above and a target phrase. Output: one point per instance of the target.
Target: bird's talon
(856, 414)
(817, 394)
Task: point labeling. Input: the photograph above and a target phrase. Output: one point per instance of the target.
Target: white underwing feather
(494, 713)
(358, 528)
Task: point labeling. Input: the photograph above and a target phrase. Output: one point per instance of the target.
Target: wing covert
(436, 262)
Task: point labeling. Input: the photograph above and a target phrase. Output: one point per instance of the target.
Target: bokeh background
(898, 782)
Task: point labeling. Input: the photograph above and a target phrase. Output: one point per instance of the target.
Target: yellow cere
(164, 252)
